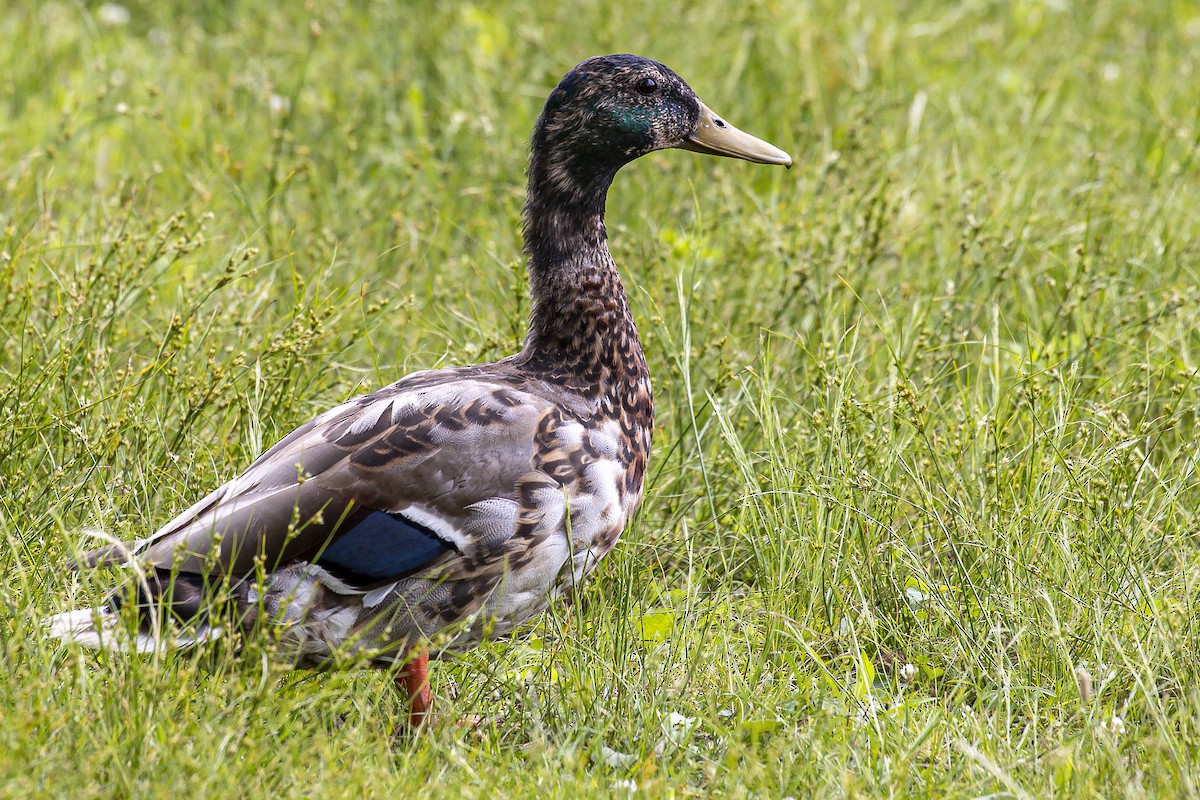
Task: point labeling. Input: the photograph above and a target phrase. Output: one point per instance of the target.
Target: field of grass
(922, 512)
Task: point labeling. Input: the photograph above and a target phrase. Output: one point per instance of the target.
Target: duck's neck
(580, 327)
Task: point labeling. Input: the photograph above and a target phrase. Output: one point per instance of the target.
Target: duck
(454, 504)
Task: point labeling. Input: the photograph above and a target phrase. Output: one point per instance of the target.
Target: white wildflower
(868, 711)
(1115, 726)
(615, 758)
(113, 15)
(907, 673)
(677, 726)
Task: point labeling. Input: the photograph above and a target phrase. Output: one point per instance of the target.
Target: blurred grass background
(921, 517)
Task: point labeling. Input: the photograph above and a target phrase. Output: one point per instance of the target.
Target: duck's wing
(382, 486)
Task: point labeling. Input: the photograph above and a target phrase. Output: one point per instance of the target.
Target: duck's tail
(162, 602)
(155, 609)
(103, 628)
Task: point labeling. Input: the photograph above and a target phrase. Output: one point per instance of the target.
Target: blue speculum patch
(381, 547)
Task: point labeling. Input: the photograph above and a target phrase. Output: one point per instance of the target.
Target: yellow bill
(717, 137)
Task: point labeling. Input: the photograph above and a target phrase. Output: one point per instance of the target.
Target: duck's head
(610, 110)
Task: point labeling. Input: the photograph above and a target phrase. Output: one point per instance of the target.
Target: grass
(922, 512)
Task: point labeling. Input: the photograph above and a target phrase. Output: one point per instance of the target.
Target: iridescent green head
(610, 110)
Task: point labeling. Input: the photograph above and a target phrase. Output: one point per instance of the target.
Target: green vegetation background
(927, 399)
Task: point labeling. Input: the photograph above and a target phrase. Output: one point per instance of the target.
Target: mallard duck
(456, 503)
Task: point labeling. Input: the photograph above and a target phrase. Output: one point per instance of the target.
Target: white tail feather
(102, 629)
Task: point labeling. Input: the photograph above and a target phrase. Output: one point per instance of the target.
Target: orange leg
(413, 680)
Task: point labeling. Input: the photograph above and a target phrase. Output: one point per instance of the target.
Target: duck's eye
(647, 86)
